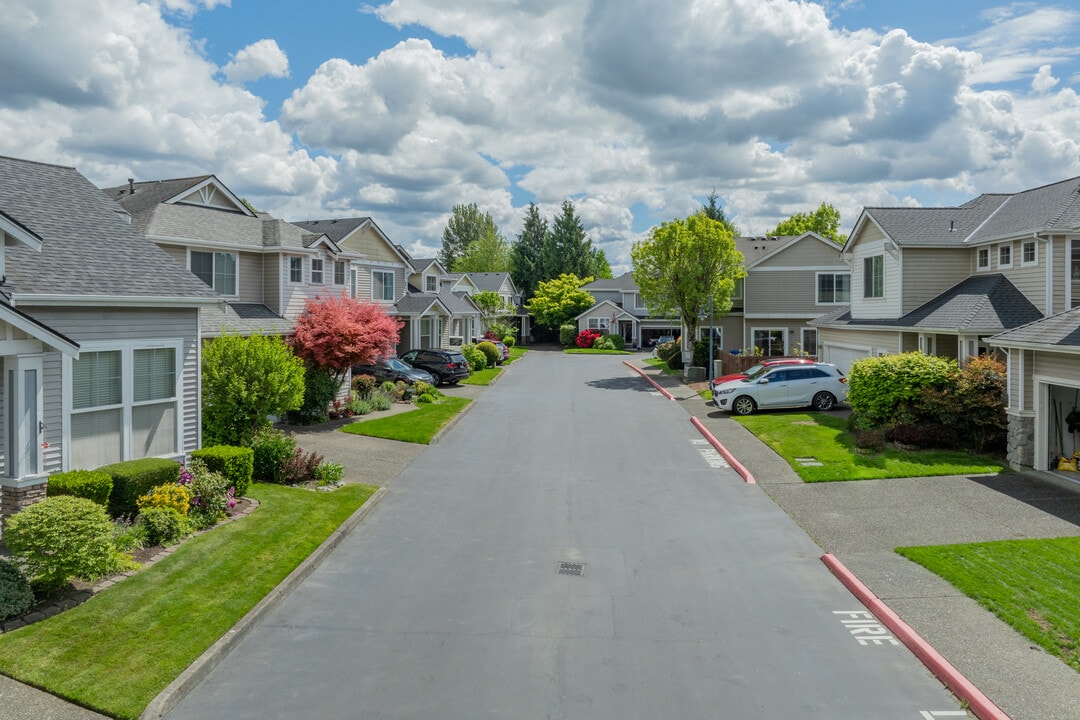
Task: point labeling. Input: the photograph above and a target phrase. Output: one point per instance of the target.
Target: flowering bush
(176, 496)
(211, 494)
(586, 338)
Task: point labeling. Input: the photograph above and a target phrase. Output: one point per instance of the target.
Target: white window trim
(20, 434)
(817, 340)
(817, 288)
(1029, 263)
(1000, 248)
(127, 365)
(393, 286)
(979, 264)
(290, 267)
(335, 264)
(865, 296)
(321, 271)
(782, 330)
(600, 323)
(213, 253)
(427, 282)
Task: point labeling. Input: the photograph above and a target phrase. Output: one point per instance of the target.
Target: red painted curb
(652, 382)
(738, 466)
(979, 704)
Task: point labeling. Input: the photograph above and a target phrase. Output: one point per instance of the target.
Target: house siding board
(1060, 259)
(372, 245)
(930, 272)
(52, 411)
(875, 308)
(885, 341)
(808, 252)
(249, 285)
(1030, 280)
(178, 253)
(1057, 365)
(782, 292)
(271, 281)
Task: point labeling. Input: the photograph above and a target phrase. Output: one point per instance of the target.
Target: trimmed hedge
(610, 342)
(16, 597)
(236, 463)
(491, 352)
(475, 357)
(61, 538)
(567, 334)
(133, 478)
(90, 484)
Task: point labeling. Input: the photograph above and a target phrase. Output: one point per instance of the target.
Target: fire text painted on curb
(865, 628)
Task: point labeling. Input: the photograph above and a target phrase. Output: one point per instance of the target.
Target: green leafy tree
(492, 307)
(559, 300)
(685, 262)
(245, 380)
(714, 211)
(467, 224)
(825, 221)
(529, 251)
(600, 267)
(488, 253)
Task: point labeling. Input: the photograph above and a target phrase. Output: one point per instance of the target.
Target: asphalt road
(699, 597)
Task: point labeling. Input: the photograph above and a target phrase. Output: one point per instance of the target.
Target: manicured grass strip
(515, 353)
(1032, 585)
(824, 437)
(658, 363)
(593, 351)
(120, 649)
(417, 426)
(482, 377)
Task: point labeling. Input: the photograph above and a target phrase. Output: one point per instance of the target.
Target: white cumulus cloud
(258, 60)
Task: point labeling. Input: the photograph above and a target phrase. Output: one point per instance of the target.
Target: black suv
(444, 365)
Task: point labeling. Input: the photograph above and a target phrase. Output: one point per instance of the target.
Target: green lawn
(663, 366)
(515, 353)
(823, 436)
(1032, 585)
(120, 649)
(482, 377)
(417, 426)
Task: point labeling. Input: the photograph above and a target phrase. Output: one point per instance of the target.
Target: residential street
(698, 596)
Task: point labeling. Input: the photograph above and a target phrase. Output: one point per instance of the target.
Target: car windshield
(396, 364)
(754, 369)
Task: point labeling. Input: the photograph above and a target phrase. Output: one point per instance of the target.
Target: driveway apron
(571, 549)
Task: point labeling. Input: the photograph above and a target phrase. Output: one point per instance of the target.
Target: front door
(25, 431)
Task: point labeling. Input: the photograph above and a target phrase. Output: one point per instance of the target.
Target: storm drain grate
(571, 568)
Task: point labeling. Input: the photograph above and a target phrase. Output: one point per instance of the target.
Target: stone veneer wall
(1021, 442)
(13, 499)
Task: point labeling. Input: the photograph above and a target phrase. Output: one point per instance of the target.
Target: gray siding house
(99, 334)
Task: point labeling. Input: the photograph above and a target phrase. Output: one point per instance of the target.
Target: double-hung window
(216, 269)
(833, 288)
(124, 405)
(982, 258)
(316, 271)
(296, 269)
(382, 285)
(874, 276)
(1005, 256)
(339, 272)
(1029, 253)
(431, 283)
(600, 323)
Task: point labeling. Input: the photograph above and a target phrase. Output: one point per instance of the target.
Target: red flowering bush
(586, 338)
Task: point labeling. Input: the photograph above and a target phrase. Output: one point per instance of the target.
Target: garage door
(843, 356)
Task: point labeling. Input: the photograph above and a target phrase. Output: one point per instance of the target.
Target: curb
(745, 474)
(980, 705)
(652, 382)
(453, 421)
(171, 696)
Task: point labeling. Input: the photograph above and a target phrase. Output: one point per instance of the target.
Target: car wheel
(436, 378)
(743, 405)
(823, 401)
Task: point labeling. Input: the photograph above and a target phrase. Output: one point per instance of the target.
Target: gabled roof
(87, 250)
(1059, 332)
(202, 190)
(416, 303)
(615, 309)
(491, 281)
(754, 249)
(623, 283)
(980, 304)
(338, 229)
(421, 265)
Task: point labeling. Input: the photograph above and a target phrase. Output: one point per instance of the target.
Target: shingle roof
(334, 229)
(1050, 207)
(88, 248)
(243, 319)
(1061, 330)
(154, 192)
(416, 303)
(979, 304)
(623, 282)
(488, 281)
(942, 226)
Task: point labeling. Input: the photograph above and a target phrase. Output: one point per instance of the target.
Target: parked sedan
(755, 369)
(444, 365)
(393, 369)
(819, 385)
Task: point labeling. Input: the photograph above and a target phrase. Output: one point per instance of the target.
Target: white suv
(818, 385)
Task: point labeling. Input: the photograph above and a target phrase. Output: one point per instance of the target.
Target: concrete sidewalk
(862, 522)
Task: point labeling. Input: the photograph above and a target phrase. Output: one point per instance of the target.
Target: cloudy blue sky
(635, 109)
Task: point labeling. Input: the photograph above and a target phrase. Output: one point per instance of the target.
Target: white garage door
(843, 356)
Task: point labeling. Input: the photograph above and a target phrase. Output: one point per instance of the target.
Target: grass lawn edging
(171, 696)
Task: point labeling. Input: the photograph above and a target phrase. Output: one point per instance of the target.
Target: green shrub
(491, 352)
(364, 385)
(61, 538)
(320, 389)
(328, 473)
(163, 525)
(381, 401)
(425, 399)
(174, 496)
(881, 388)
(610, 342)
(90, 484)
(701, 353)
(568, 334)
(128, 536)
(668, 350)
(421, 388)
(302, 467)
(476, 358)
(509, 341)
(211, 493)
(358, 407)
(16, 597)
(270, 449)
(237, 464)
(388, 387)
(133, 478)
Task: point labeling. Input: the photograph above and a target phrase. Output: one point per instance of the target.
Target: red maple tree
(336, 333)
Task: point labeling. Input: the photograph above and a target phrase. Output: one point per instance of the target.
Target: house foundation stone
(13, 499)
(1021, 441)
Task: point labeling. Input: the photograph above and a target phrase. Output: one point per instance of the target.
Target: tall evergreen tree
(528, 253)
(601, 268)
(571, 247)
(465, 226)
(714, 211)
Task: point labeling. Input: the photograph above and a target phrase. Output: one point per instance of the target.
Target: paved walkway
(862, 522)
